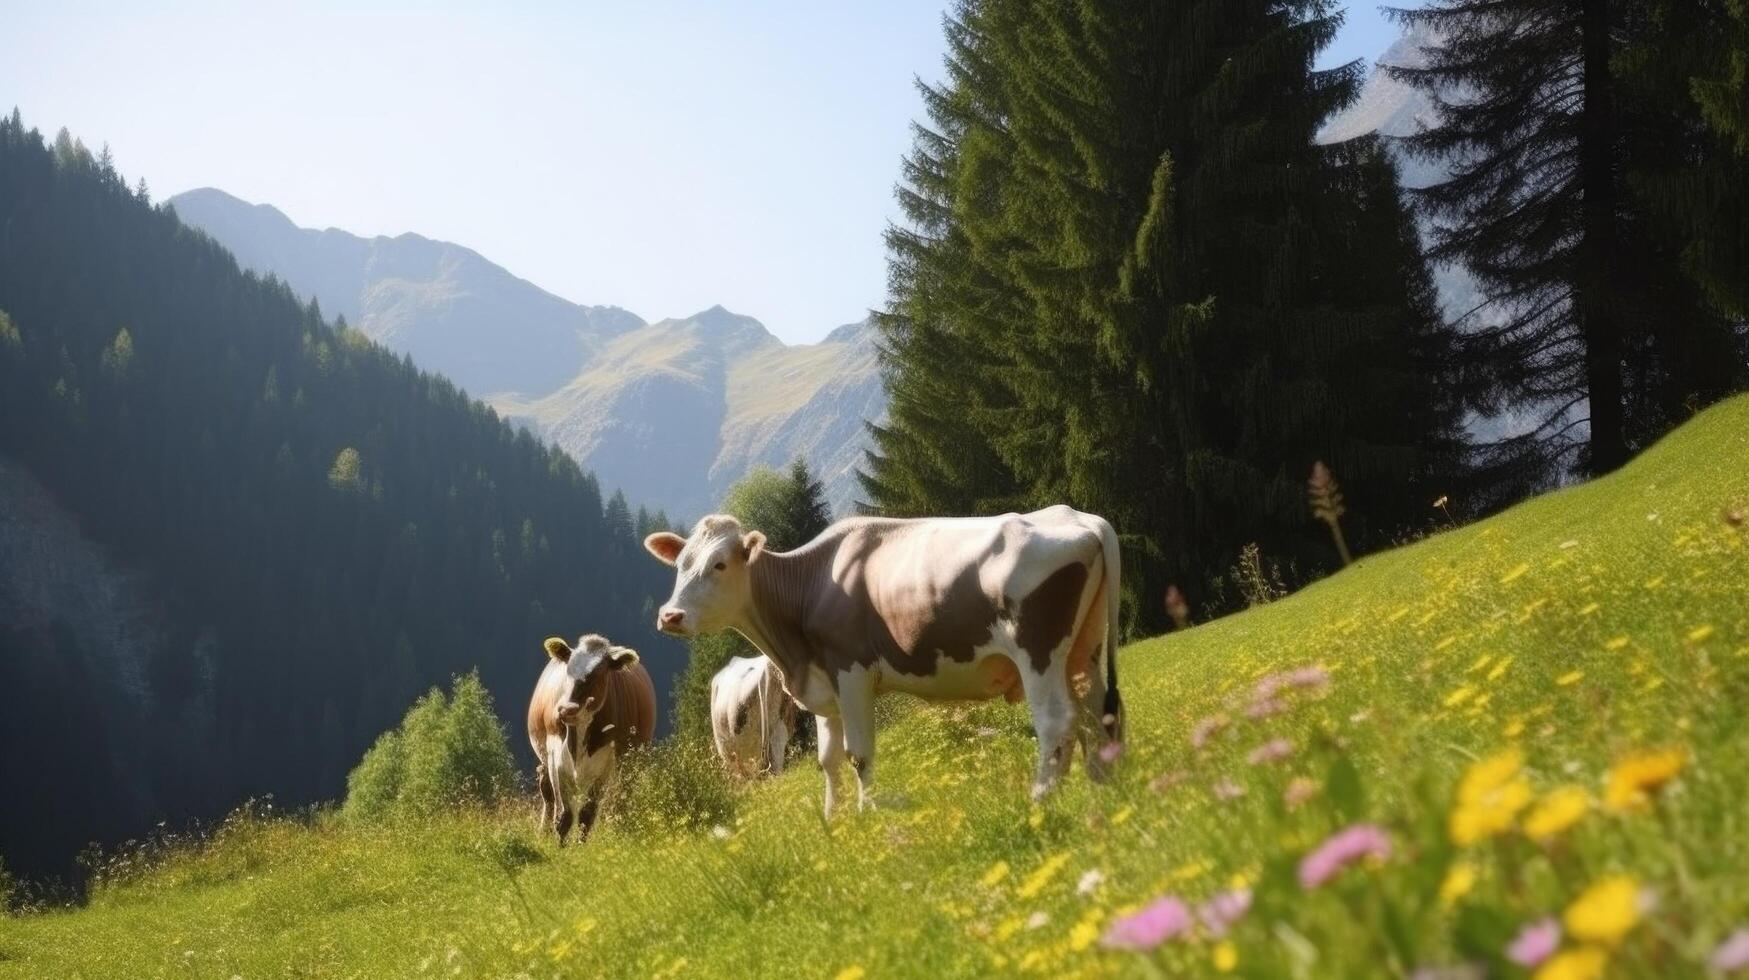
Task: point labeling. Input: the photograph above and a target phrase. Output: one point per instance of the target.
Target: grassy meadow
(1522, 739)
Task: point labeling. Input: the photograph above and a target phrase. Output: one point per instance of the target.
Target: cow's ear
(619, 658)
(665, 545)
(558, 649)
(752, 543)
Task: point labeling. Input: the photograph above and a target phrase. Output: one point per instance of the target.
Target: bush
(674, 784)
(445, 754)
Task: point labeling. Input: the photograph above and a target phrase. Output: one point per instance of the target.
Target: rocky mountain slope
(671, 412)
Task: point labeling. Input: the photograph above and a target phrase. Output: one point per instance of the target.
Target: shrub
(676, 783)
(446, 753)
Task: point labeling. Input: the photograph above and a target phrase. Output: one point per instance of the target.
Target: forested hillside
(319, 529)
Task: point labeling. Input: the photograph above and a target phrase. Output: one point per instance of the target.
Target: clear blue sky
(661, 156)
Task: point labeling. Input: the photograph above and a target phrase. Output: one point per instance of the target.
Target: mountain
(451, 310)
(677, 411)
(238, 539)
(671, 412)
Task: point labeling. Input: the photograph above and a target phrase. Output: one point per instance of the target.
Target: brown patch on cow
(628, 710)
(954, 627)
(1047, 615)
(1084, 654)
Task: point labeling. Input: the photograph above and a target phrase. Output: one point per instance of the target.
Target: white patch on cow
(749, 690)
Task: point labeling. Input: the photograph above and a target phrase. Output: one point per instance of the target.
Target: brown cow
(949, 608)
(592, 704)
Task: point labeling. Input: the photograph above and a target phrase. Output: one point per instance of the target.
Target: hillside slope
(672, 413)
(1576, 629)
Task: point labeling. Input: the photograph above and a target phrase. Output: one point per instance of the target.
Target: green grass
(1581, 626)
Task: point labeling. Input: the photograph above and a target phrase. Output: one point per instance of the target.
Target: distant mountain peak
(597, 381)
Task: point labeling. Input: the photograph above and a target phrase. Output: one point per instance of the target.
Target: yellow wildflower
(1570, 678)
(1226, 957)
(1575, 964)
(1616, 643)
(1084, 932)
(1513, 575)
(1555, 812)
(1458, 882)
(1042, 876)
(1639, 776)
(1699, 634)
(851, 973)
(1514, 728)
(1122, 815)
(1490, 795)
(1606, 911)
(997, 872)
(1459, 696)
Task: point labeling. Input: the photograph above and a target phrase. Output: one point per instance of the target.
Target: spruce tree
(1586, 305)
(806, 513)
(1133, 281)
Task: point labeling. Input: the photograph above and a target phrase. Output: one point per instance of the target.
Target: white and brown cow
(751, 717)
(944, 608)
(592, 704)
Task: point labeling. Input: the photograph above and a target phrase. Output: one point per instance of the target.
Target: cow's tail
(1111, 715)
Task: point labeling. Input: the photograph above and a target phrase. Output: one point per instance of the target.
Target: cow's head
(586, 668)
(710, 582)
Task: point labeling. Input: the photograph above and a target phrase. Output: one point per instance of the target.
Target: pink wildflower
(1164, 919)
(1220, 912)
(1301, 677)
(1733, 953)
(1274, 750)
(1265, 707)
(1340, 850)
(1205, 729)
(1299, 790)
(1226, 789)
(1167, 780)
(1535, 942)
(1109, 752)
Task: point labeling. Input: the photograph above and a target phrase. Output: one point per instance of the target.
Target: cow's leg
(856, 709)
(563, 777)
(586, 816)
(777, 744)
(830, 733)
(545, 783)
(1089, 730)
(1053, 718)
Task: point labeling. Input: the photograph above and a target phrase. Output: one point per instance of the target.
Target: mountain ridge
(672, 412)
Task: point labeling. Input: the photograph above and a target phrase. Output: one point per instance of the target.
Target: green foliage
(446, 753)
(375, 783)
(1139, 293)
(118, 357)
(674, 785)
(347, 473)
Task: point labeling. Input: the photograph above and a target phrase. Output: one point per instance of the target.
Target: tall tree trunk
(1600, 313)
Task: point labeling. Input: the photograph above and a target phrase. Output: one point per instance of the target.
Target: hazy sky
(661, 156)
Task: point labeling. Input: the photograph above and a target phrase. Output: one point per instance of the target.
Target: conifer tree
(1134, 282)
(1585, 304)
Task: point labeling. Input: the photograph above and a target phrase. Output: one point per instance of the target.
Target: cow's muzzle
(672, 622)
